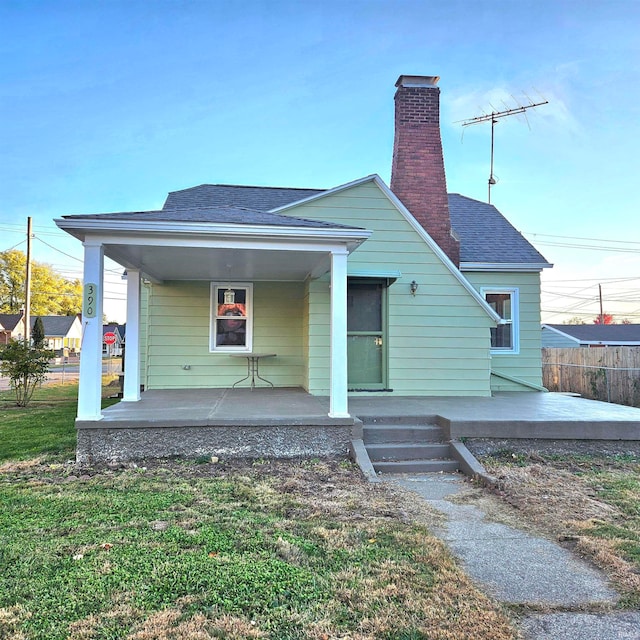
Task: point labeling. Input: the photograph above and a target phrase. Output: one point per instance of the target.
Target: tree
(606, 318)
(51, 294)
(25, 367)
(37, 335)
(12, 275)
(574, 320)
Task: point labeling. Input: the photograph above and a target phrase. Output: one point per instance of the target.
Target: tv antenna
(494, 117)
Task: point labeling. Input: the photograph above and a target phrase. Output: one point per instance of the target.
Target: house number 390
(90, 300)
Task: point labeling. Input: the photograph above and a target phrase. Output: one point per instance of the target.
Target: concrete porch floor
(512, 415)
(505, 415)
(222, 407)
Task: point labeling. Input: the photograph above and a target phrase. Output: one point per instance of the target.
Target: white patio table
(253, 371)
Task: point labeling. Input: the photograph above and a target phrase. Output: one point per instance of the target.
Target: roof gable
(10, 320)
(414, 224)
(486, 236)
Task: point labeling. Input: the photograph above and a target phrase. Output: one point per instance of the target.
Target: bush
(26, 367)
(37, 335)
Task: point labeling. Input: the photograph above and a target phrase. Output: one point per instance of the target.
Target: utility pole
(493, 117)
(27, 288)
(601, 308)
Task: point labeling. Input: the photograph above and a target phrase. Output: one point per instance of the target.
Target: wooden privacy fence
(611, 374)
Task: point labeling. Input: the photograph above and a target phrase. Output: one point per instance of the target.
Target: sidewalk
(528, 572)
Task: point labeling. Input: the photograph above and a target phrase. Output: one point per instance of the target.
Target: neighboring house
(61, 332)
(591, 335)
(400, 290)
(115, 349)
(12, 327)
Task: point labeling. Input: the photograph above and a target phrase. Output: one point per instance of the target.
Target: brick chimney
(417, 173)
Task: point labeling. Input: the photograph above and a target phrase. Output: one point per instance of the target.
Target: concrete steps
(402, 445)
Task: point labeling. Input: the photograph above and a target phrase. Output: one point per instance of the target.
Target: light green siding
(179, 325)
(439, 339)
(527, 364)
(319, 324)
(144, 332)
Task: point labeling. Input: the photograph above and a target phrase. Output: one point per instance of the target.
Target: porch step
(407, 445)
(380, 433)
(390, 452)
(417, 466)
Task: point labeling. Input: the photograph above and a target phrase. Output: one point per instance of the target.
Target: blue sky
(107, 106)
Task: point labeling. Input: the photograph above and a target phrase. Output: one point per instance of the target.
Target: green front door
(366, 339)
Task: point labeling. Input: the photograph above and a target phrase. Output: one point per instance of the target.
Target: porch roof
(214, 215)
(216, 243)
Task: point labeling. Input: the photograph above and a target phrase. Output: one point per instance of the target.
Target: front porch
(288, 422)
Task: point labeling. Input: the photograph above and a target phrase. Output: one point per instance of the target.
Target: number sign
(90, 302)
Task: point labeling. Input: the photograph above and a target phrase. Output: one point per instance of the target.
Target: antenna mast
(493, 117)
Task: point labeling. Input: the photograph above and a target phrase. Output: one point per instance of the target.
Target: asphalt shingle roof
(600, 332)
(220, 214)
(10, 320)
(259, 198)
(54, 326)
(487, 236)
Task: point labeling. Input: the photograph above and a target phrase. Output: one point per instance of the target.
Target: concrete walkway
(520, 569)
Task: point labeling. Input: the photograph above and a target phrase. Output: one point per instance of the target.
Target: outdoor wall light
(413, 287)
(186, 367)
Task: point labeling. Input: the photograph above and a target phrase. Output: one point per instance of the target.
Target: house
(590, 335)
(61, 332)
(399, 290)
(12, 327)
(113, 350)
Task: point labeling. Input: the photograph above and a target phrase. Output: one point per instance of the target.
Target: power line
(68, 255)
(567, 245)
(15, 245)
(549, 235)
(597, 280)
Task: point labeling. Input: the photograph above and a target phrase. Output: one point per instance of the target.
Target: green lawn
(44, 428)
(178, 550)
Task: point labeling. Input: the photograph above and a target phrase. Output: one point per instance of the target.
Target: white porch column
(131, 391)
(338, 384)
(90, 387)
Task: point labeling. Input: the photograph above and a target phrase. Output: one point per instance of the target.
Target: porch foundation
(226, 423)
(105, 444)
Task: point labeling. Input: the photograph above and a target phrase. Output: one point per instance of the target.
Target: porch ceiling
(221, 263)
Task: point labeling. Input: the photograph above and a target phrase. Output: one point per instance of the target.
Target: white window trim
(213, 303)
(514, 292)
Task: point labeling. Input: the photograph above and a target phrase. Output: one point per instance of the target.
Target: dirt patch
(561, 498)
(552, 497)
